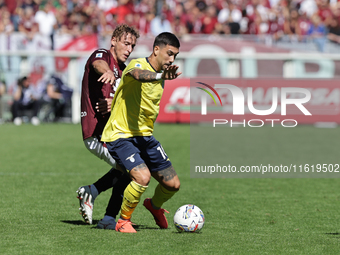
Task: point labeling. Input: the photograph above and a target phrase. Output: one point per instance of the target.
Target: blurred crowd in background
(48, 101)
(296, 19)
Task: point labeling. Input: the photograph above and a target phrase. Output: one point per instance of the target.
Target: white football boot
(86, 201)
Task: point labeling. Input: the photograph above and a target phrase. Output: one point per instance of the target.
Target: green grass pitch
(42, 167)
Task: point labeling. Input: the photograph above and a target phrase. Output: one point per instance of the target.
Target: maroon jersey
(93, 122)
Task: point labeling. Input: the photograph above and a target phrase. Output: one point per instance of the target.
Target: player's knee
(141, 175)
(174, 185)
(143, 180)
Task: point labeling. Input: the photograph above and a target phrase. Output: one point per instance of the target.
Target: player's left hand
(170, 73)
(104, 105)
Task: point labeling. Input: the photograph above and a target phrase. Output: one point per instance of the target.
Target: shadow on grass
(137, 227)
(186, 233)
(78, 222)
(334, 234)
(95, 222)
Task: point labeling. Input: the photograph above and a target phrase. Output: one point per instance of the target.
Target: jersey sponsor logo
(131, 158)
(83, 114)
(99, 55)
(138, 65)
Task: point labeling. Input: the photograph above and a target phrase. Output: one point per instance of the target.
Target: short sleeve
(100, 54)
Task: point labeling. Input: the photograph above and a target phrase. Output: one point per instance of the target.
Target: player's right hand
(108, 77)
(170, 73)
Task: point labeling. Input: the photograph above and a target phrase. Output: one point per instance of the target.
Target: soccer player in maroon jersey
(101, 78)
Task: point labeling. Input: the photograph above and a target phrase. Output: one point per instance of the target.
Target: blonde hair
(123, 29)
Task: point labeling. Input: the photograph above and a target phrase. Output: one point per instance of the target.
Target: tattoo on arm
(140, 167)
(143, 75)
(167, 174)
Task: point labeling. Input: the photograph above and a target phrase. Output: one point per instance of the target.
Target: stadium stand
(275, 17)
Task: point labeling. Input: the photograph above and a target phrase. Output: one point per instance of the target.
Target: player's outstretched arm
(102, 68)
(145, 75)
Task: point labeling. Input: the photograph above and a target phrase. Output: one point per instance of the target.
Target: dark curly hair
(166, 38)
(123, 29)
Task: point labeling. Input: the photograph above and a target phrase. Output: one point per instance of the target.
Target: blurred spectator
(201, 5)
(25, 98)
(27, 24)
(291, 25)
(179, 28)
(222, 29)
(11, 7)
(230, 15)
(189, 5)
(107, 24)
(160, 24)
(71, 25)
(2, 88)
(145, 6)
(144, 24)
(46, 21)
(130, 20)
(61, 19)
(106, 5)
(324, 12)
(258, 26)
(72, 5)
(318, 32)
(309, 7)
(255, 10)
(194, 23)
(123, 8)
(6, 25)
(209, 20)
(334, 31)
(29, 4)
(57, 96)
(167, 12)
(275, 27)
(2, 92)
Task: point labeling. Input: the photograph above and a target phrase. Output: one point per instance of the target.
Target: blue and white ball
(189, 218)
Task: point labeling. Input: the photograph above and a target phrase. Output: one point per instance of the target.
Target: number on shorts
(161, 150)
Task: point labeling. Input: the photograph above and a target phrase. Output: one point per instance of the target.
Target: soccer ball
(189, 218)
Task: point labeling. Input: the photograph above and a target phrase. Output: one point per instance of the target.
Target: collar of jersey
(150, 64)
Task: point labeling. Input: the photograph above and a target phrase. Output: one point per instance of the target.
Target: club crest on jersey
(99, 55)
(131, 158)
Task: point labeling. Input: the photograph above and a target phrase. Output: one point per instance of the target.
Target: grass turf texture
(41, 168)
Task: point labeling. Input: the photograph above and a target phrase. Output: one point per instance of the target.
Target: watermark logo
(204, 98)
(240, 99)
